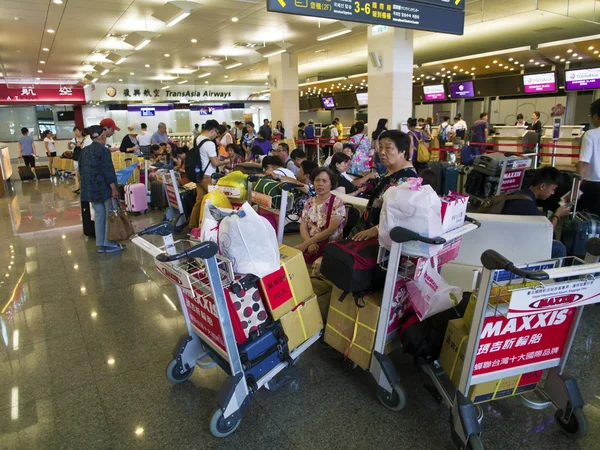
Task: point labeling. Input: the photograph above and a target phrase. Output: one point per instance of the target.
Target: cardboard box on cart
(452, 358)
(289, 285)
(303, 322)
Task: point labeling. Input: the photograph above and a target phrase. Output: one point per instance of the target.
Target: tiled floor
(85, 339)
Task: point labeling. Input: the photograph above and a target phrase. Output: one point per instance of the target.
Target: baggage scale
(200, 275)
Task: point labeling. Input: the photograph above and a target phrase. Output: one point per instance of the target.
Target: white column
(285, 103)
(390, 86)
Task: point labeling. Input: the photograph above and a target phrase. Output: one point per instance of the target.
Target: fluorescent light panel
(231, 63)
(322, 81)
(270, 50)
(143, 44)
(324, 37)
(174, 12)
(479, 55)
(569, 41)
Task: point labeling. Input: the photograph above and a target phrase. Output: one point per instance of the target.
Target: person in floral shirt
(361, 162)
(323, 216)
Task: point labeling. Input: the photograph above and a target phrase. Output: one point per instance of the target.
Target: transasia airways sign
(204, 94)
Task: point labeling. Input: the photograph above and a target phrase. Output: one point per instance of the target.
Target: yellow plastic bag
(235, 186)
(217, 198)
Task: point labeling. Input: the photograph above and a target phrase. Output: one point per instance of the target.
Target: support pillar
(570, 107)
(285, 102)
(390, 85)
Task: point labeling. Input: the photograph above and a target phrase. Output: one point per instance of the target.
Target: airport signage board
(580, 79)
(427, 15)
(537, 83)
(41, 93)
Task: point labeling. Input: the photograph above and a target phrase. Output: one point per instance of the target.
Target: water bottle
(197, 170)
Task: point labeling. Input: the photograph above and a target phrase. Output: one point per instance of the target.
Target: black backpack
(193, 161)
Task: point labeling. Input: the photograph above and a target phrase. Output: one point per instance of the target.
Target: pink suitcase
(135, 197)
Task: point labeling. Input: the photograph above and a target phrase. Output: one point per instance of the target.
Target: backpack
(423, 155)
(495, 205)
(326, 133)
(443, 134)
(468, 155)
(193, 161)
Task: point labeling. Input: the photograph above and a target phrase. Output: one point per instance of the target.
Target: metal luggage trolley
(175, 212)
(528, 329)
(389, 391)
(200, 275)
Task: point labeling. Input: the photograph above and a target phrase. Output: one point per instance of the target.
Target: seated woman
(235, 157)
(322, 219)
(394, 151)
(340, 164)
(273, 167)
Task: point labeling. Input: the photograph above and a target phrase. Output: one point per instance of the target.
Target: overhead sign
(445, 17)
(148, 112)
(539, 82)
(41, 93)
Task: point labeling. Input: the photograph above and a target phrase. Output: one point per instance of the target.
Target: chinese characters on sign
(41, 93)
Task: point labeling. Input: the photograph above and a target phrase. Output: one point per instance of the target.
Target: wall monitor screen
(434, 92)
(362, 98)
(463, 89)
(580, 79)
(345, 100)
(537, 83)
(328, 102)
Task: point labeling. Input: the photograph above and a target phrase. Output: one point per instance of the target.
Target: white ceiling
(82, 26)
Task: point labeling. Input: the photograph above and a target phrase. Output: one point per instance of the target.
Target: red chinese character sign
(41, 93)
(521, 344)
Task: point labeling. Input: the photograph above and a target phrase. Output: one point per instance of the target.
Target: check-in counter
(512, 136)
(570, 135)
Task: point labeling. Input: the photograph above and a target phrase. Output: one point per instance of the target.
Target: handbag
(119, 225)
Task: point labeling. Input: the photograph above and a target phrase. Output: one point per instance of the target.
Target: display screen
(328, 102)
(345, 100)
(464, 89)
(314, 102)
(579, 79)
(539, 82)
(304, 104)
(65, 116)
(362, 98)
(148, 112)
(434, 92)
(206, 111)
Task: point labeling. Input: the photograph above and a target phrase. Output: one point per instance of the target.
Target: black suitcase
(188, 200)
(26, 173)
(578, 230)
(488, 166)
(158, 195)
(42, 172)
(86, 220)
(262, 353)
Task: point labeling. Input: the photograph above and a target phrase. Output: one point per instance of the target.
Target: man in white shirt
(273, 167)
(589, 164)
(444, 131)
(460, 127)
(144, 140)
(208, 162)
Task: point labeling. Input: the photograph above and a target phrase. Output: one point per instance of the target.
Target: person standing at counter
(339, 127)
(160, 135)
(589, 164)
(196, 131)
(481, 128)
(144, 140)
(536, 125)
(521, 121)
(460, 127)
(27, 148)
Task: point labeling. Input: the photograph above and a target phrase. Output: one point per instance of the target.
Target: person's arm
(361, 181)
(46, 147)
(108, 173)
(585, 156)
(216, 162)
(486, 132)
(367, 234)
(34, 150)
(20, 150)
(561, 211)
(334, 223)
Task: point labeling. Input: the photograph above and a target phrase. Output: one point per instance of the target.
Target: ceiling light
(472, 68)
(174, 12)
(510, 59)
(230, 63)
(455, 67)
(147, 65)
(58, 2)
(234, 19)
(487, 67)
(334, 30)
(454, 73)
(595, 52)
(39, 71)
(522, 65)
(38, 78)
(322, 81)
(569, 51)
(94, 80)
(537, 63)
(562, 60)
(182, 82)
(437, 73)
(45, 49)
(478, 56)
(591, 47)
(360, 75)
(494, 61)
(581, 57)
(131, 73)
(120, 79)
(115, 58)
(50, 30)
(512, 68)
(270, 50)
(500, 65)
(139, 39)
(42, 62)
(557, 57)
(226, 76)
(516, 62)
(206, 82)
(165, 87)
(542, 65)
(167, 55)
(202, 73)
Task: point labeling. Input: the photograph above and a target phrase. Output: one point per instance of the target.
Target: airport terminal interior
(108, 345)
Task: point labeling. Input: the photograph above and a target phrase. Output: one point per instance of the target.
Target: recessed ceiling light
(455, 67)
(472, 68)
(453, 73)
(569, 51)
(38, 78)
(50, 30)
(147, 65)
(131, 73)
(542, 65)
(522, 65)
(562, 60)
(557, 57)
(42, 62)
(595, 52)
(466, 73)
(495, 61)
(591, 47)
(167, 55)
(194, 41)
(437, 73)
(206, 82)
(574, 54)
(234, 19)
(58, 2)
(512, 68)
(581, 57)
(510, 59)
(226, 76)
(39, 71)
(537, 63)
(487, 67)
(500, 65)
(17, 18)
(120, 79)
(516, 62)
(45, 49)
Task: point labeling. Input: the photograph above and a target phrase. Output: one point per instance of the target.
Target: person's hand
(365, 235)
(301, 247)
(114, 193)
(563, 210)
(313, 249)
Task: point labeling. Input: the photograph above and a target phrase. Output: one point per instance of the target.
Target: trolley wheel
(394, 402)
(176, 374)
(577, 427)
(220, 428)
(475, 443)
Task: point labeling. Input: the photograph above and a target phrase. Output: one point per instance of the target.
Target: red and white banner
(512, 180)
(521, 343)
(551, 297)
(41, 93)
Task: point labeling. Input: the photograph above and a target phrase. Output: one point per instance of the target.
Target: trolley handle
(473, 221)
(288, 186)
(592, 246)
(253, 178)
(215, 176)
(400, 235)
(203, 250)
(492, 260)
(160, 229)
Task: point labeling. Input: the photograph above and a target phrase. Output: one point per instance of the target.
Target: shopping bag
(249, 242)
(119, 225)
(454, 210)
(215, 197)
(429, 293)
(416, 208)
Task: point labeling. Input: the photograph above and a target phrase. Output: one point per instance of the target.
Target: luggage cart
(200, 275)
(175, 212)
(551, 308)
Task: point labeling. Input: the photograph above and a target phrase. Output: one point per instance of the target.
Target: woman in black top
(340, 164)
(129, 144)
(394, 150)
(536, 125)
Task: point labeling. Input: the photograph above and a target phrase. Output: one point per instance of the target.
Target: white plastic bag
(250, 242)
(429, 293)
(209, 229)
(416, 208)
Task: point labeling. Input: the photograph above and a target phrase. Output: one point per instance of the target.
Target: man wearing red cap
(110, 127)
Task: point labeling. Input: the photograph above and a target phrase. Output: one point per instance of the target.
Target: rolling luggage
(451, 179)
(135, 198)
(578, 230)
(42, 173)
(86, 220)
(188, 200)
(26, 173)
(258, 356)
(246, 309)
(158, 195)
(438, 167)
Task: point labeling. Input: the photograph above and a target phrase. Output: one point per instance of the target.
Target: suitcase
(86, 220)
(26, 173)
(246, 309)
(188, 200)
(438, 167)
(451, 179)
(463, 173)
(135, 198)
(488, 166)
(42, 172)
(578, 230)
(258, 356)
(158, 195)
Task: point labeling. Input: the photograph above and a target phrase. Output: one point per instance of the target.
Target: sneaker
(101, 250)
(116, 248)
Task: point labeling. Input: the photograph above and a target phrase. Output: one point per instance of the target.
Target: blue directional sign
(428, 15)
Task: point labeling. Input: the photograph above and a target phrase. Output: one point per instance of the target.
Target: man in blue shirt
(480, 129)
(160, 135)
(543, 184)
(99, 186)
(27, 148)
(309, 133)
